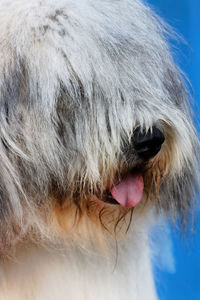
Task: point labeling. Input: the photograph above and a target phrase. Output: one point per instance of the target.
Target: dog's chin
(91, 215)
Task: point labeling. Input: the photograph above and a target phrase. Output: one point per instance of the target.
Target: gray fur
(77, 78)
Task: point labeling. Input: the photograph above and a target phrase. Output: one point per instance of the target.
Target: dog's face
(94, 115)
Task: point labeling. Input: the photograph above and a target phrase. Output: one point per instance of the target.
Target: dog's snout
(148, 144)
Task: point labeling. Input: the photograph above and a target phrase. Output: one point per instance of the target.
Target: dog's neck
(80, 273)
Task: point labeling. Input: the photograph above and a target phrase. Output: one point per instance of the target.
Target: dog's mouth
(128, 192)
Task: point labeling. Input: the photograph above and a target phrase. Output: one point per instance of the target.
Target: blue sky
(184, 282)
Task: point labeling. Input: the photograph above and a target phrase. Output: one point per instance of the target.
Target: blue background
(184, 17)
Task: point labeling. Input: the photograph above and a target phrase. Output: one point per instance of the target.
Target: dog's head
(94, 116)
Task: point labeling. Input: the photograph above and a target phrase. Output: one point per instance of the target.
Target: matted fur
(77, 78)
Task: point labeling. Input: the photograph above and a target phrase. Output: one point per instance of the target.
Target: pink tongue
(129, 191)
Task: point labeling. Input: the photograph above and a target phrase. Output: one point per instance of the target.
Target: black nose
(147, 144)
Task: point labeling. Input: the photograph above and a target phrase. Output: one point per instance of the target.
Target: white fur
(52, 274)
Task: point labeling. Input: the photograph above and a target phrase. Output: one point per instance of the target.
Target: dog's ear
(179, 191)
(13, 94)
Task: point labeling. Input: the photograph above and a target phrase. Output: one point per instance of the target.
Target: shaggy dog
(96, 141)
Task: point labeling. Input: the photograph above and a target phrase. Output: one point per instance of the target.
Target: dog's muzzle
(128, 192)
